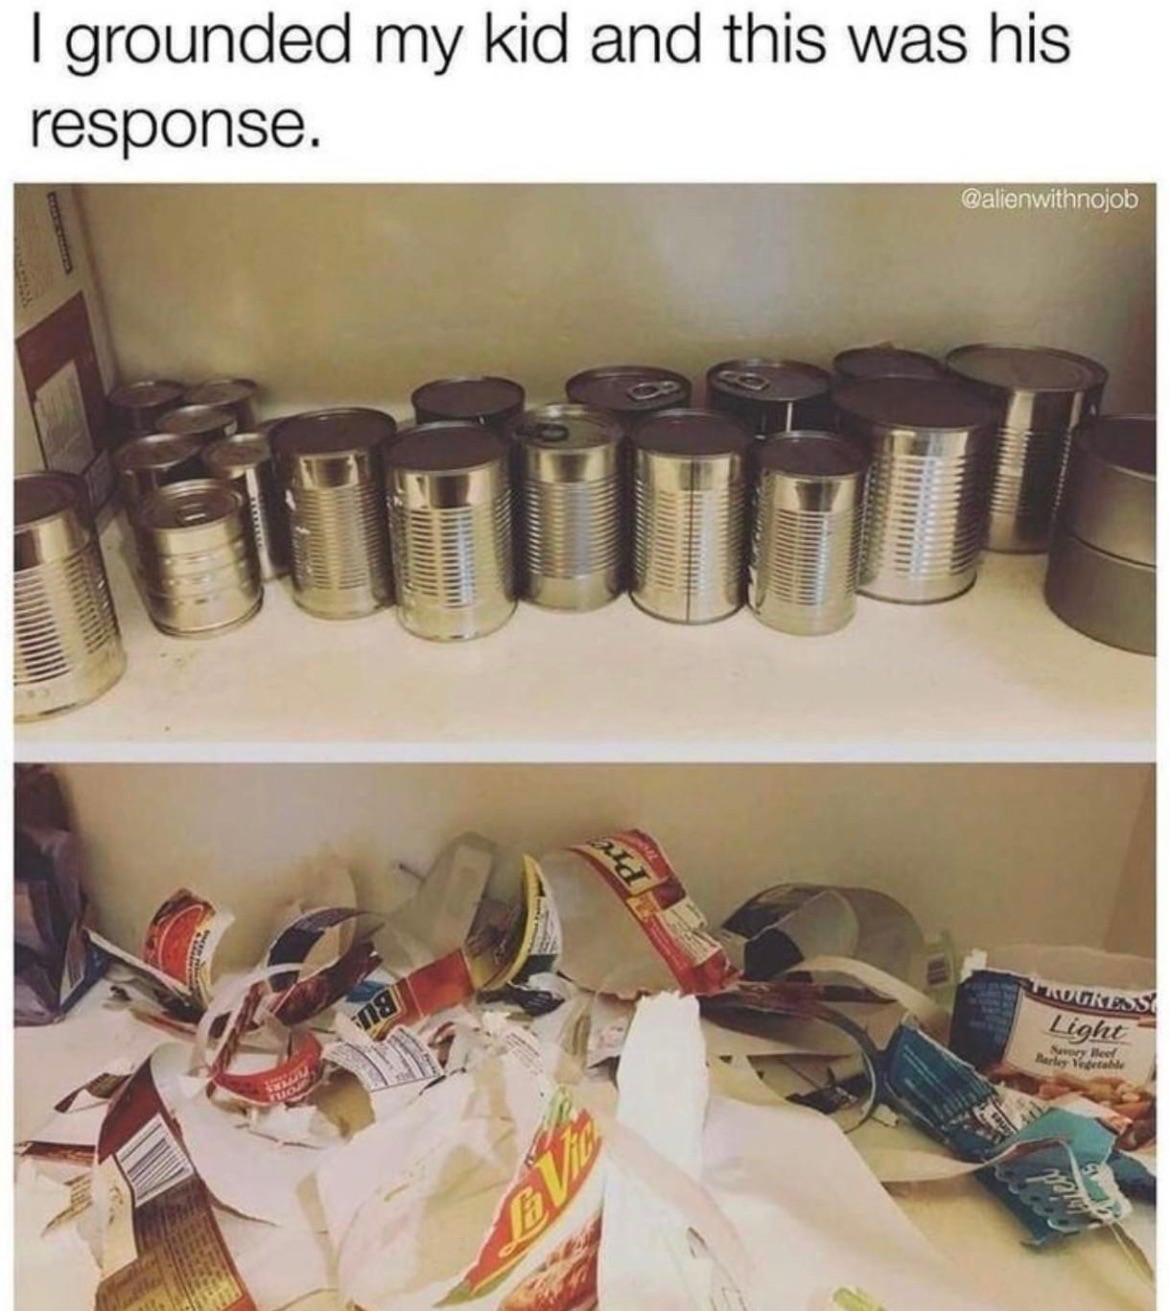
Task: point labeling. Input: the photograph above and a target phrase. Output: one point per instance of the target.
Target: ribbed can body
(245, 461)
(806, 543)
(689, 521)
(451, 533)
(67, 649)
(198, 564)
(146, 463)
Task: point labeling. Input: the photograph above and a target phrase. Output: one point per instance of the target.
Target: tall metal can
(204, 423)
(771, 395)
(1041, 396)
(692, 472)
(330, 467)
(490, 401)
(630, 391)
(137, 407)
(236, 395)
(885, 360)
(146, 463)
(67, 649)
(245, 461)
(568, 504)
(806, 532)
(932, 448)
(196, 558)
(448, 500)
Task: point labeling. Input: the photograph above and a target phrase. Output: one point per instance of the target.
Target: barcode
(938, 971)
(153, 1161)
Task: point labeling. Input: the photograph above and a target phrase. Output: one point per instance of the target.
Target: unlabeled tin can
(236, 395)
(806, 534)
(1109, 498)
(885, 361)
(1103, 596)
(205, 423)
(771, 395)
(146, 463)
(449, 503)
(1041, 396)
(137, 407)
(196, 558)
(692, 480)
(931, 445)
(66, 646)
(330, 467)
(631, 391)
(568, 502)
(245, 461)
(492, 402)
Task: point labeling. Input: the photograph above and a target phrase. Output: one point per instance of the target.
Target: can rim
(157, 499)
(607, 431)
(822, 379)
(518, 395)
(214, 416)
(647, 372)
(772, 449)
(246, 387)
(937, 367)
(120, 397)
(1098, 373)
(291, 436)
(474, 437)
(1083, 439)
(957, 391)
(124, 456)
(253, 448)
(738, 438)
(76, 497)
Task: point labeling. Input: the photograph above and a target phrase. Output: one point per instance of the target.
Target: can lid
(629, 388)
(886, 360)
(691, 434)
(468, 398)
(196, 419)
(220, 391)
(332, 432)
(768, 380)
(189, 504)
(444, 448)
(808, 454)
(566, 428)
(1125, 441)
(915, 403)
(147, 394)
(1026, 368)
(46, 495)
(157, 450)
(237, 454)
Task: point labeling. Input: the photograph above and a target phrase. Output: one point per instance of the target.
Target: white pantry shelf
(991, 676)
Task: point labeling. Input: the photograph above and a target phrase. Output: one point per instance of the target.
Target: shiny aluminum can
(692, 474)
(885, 361)
(493, 402)
(1109, 498)
(137, 407)
(771, 395)
(448, 499)
(631, 391)
(205, 423)
(245, 461)
(932, 447)
(806, 534)
(236, 395)
(149, 462)
(1041, 395)
(568, 503)
(66, 646)
(329, 464)
(196, 559)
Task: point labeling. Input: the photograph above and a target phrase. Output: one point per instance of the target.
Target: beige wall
(995, 853)
(359, 293)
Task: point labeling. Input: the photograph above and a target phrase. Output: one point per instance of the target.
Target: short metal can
(885, 360)
(1109, 499)
(771, 395)
(245, 461)
(66, 645)
(490, 401)
(146, 463)
(1107, 598)
(630, 391)
(137, 407)
(205, 423)
(236, 395)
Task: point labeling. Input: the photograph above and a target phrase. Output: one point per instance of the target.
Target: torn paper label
(328, 952)
(181, 940)
(402, 1057)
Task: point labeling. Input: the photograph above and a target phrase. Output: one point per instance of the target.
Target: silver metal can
(66, 646)
(932, 446)
(137, 407)
(1103, 596)
(330, 467)
(449, 504)
(631, 391)
(692, 479)
(493, 402)
(1109, 498)
(568, 503)
(806, 533)
(771, 395)
(885, 360)
(245, 461)
(205, 423)
(149, 462)
(196, 559)
(236, 395)
(1041, 396)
